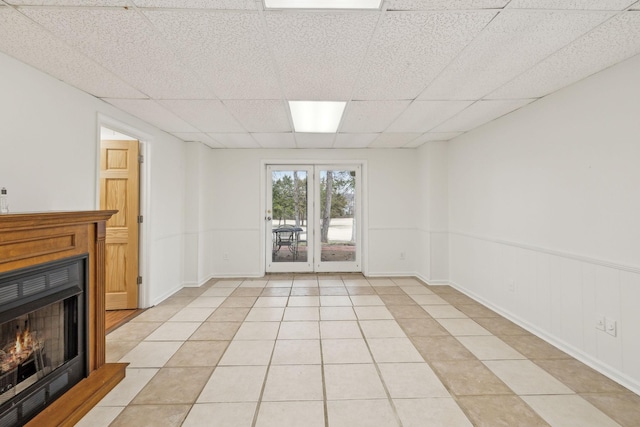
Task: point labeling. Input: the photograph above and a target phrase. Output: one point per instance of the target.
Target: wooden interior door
(119, 190)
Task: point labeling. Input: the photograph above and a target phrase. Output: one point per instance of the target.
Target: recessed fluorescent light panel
(322, 4)
(316, 116)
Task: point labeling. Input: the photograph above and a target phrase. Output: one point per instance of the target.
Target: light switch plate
(600, 323)
(611, 326)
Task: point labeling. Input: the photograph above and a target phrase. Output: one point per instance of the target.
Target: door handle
(268, 218)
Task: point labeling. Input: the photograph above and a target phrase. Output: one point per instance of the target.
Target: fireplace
(43, 320)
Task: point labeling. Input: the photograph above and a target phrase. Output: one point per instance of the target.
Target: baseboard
(578, 354)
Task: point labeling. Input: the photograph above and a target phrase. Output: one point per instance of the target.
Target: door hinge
(140, 158)
(140, 219)
(139, 280)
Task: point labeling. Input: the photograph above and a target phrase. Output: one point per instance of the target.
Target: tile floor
(336, 351)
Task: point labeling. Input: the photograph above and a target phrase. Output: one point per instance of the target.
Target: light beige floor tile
(156, 314)
(301, 313)
(356, 282)
(569, 411)
(304, 301)
(234, 384)
(390, 350)
(176, 301)
(280, 283)
(206, 301)
(151, 354)
(337, 313)
(499, 410)
(361, 413)
(133, 331)
(442, 311)
(330, 283)
(134, 381)
(345, 351)
(297, 352)
(174, 386)
(381, 329)
(293, 382)
(217, 292)
(299, 331)
(253, 284)
(489, 348)
(152, 415)
(431, 412)
(305, 283)
(525, 377)
(275, 292)
(265, 314)
(406, 281)
(248, 353)
(335, 301)
(416, 290)
(366, 300)
(339, 329)
(257, 331)
(211, 331)
(271, 302)
(239, 301)
(381, 282)
(333, 291)
(305, 292)
(221, 415)
(100, 416)
(227, 284)
(116, 350)
(174, 331)
(229, 314)
(411, 380)
(459, 327)
(198, 353)
(353, 381)
(291, 414)
(192, 314)
(426, 299)
(373, 313)
(247, 292)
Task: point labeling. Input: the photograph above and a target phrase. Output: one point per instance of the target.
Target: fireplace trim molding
(28, 239)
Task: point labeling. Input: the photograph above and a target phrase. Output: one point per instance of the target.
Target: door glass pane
(337, 215)
(289, 216)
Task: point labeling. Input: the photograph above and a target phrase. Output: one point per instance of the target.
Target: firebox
(43, 324)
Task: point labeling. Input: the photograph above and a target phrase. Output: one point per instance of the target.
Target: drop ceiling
(221, 72)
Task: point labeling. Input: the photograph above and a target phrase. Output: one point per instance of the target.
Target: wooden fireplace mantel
(28, 239)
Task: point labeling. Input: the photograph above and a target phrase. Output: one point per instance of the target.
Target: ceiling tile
(31, 44)
(393, 140)
(422, 116)
(444, 4)
(198, 137)
(354, 140)
(153, 113)
(571, 4)
(199, 4)
(410, 49)
(614, 41)
(227, 50)
(205, 115)
(68, 2)
(275, 140)
(371, 116)
(514, 42)
(315, 140)
(480, 113)
(260, 115)
(235, 140)
(123, 42)
(319, 55)
(434, 136)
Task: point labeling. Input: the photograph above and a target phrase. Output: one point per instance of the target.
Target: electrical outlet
(611, 326)
(600, 323)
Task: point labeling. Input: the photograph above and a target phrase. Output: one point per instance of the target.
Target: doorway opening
(313, 218)
(119, 190)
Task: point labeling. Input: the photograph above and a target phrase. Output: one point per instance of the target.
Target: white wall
(48, 161)
(232, 218)
(544, 217)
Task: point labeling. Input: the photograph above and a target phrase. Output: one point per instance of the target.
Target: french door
(313, 218)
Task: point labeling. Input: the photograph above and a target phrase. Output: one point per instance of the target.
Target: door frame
(144, 140)
(364, 219)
